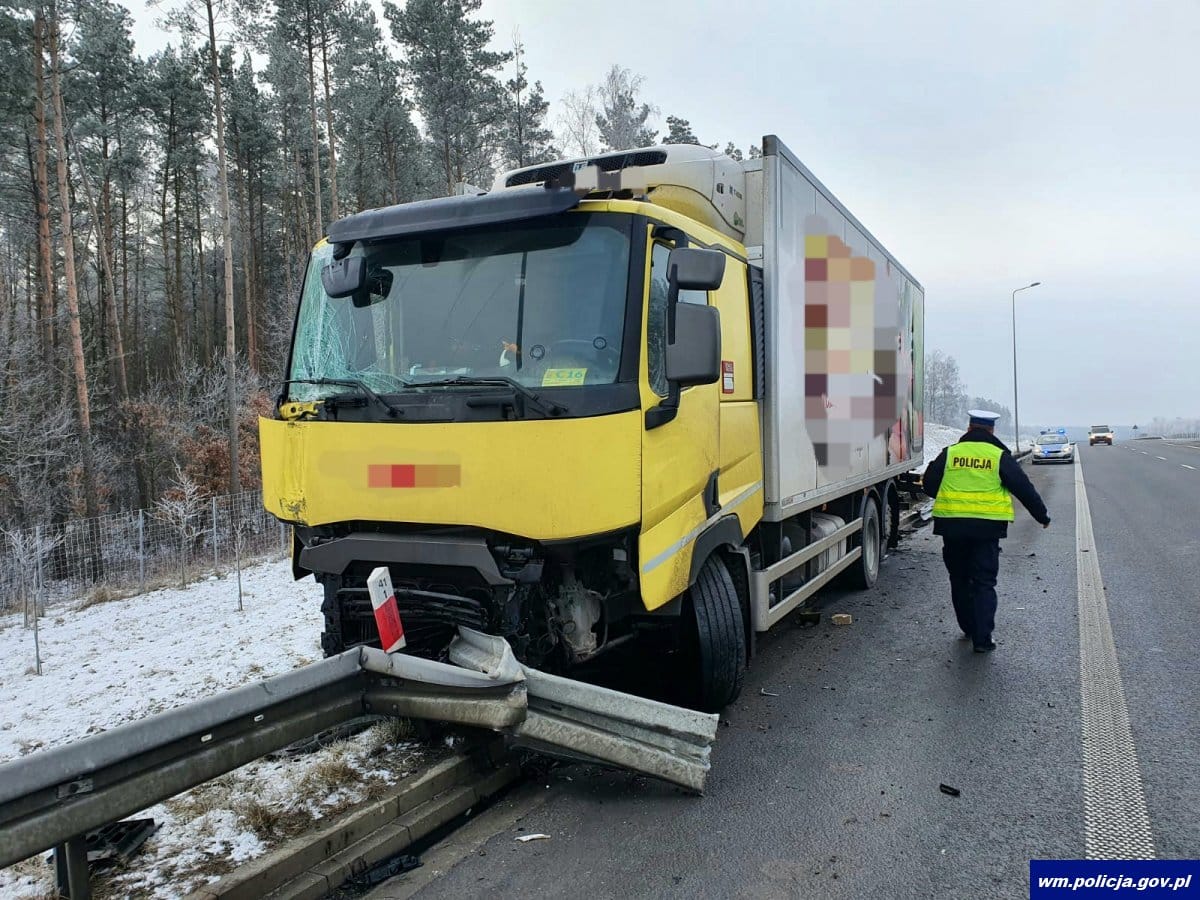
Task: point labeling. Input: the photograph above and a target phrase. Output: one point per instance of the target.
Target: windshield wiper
(392, 411)
(549, 407)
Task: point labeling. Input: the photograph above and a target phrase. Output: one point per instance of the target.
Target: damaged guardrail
(52, 799)
(589, 723)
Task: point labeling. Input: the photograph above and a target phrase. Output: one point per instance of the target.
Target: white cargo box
(844, 326)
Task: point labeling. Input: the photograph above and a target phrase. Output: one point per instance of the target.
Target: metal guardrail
(52, 799)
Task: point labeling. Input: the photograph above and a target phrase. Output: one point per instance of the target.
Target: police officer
(973, 483)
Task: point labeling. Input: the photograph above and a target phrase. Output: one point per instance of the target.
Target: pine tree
(679, 131)
(91, 494)
(384, 160)
(525, 141)
(622, 118)
(453, 75)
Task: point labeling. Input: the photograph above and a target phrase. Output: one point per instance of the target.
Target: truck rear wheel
(715, 639)
(864, 573)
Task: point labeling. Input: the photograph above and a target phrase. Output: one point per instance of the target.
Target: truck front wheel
(332, 641)
(714, 637)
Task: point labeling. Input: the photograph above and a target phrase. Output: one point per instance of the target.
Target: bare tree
(181, 511)
(945, 396)
(29, 549)
(577, 122)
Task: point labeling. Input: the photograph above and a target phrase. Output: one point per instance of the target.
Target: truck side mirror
(694, 357)
(693, 269)
(344, 277)
(693, 354)
(352, 277)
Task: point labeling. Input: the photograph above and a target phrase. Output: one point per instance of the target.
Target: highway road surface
(1064, 743)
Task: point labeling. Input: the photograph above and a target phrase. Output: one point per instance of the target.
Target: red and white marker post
(387, 613)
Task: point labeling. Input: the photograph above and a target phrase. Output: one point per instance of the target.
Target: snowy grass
(129, 658)
(211, 829)
(116, 660)
(937, 438)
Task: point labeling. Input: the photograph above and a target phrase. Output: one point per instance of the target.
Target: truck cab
(1100, 434)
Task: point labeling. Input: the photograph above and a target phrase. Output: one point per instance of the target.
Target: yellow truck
(657, 396)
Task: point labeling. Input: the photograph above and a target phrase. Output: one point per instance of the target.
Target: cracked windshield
(543, 306)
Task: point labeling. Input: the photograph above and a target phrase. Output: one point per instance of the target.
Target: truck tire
(864, 573)
(715, 637)
(332, 642)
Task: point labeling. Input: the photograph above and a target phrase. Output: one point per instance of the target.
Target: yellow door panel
(679, 458)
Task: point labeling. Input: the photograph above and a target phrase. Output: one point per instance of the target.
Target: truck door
(680, 456)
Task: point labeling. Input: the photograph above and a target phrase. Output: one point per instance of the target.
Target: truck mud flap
(587, 723)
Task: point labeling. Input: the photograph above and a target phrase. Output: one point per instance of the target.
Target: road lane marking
(1116, 823)
(1163, 458)
(1186, 466)
(1145, 453)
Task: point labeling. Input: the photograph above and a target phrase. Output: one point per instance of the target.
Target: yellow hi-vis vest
(971, 487)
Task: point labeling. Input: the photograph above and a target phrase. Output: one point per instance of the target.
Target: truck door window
(656, 317)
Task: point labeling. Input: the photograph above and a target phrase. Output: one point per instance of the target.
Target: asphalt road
(825, 776)
(1145, 499)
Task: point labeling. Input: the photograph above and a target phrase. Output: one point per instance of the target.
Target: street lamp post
(1016, 403)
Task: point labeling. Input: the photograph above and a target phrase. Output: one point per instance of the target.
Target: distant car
(1053, 448)
(1100, 434)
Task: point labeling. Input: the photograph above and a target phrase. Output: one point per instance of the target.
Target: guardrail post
(71, 869)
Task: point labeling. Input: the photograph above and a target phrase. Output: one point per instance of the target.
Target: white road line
(1144, 453)
(1116, 823)
(1186, 466)
(1163, 458)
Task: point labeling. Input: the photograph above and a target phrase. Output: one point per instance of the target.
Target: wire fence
(135, 551)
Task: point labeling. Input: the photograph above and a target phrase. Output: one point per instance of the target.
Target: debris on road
(526, 838)
(946, 789)
(841, 618)
(763, 692)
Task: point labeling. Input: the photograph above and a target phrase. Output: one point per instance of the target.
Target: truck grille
(429, 618)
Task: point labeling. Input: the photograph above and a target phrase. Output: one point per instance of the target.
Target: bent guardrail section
(51, 799)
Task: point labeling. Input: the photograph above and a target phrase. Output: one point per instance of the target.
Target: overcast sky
(986, 145)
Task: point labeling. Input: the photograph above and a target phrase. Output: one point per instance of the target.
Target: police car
(1053, 446)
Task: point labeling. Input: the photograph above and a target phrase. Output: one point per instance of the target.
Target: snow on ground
(938, 437)
(123, 660)
(210, 830)
(126, 659)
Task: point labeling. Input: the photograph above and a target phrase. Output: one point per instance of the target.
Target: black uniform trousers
(973, 564)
